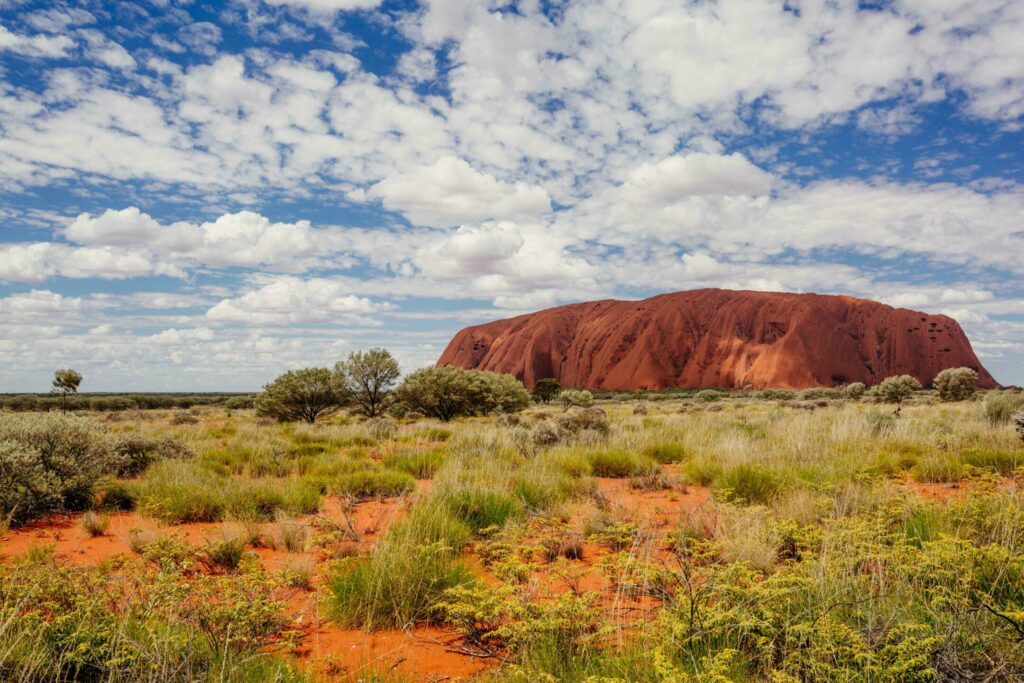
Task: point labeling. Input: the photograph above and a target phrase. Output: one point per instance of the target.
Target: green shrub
(1001, 405)
(167, 625)
(380, 428)
(620, 463)
(939, 469)
(135, 453)
(419, 463)
(879, 421)
(777, 394)
(117, 495)
(707, 396)
(575, 398)
(374, 484)
(447, 392)
(854, 391)
(546, 390)
(48, 462)
(897, 389)
(818, 393)
(240, 402)
(579, 420)
(305, 395)
(956, 384)
(702, 472)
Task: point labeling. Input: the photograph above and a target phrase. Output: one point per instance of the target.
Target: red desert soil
(717, 338)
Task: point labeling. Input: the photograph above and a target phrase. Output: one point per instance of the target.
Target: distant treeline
(115, 402)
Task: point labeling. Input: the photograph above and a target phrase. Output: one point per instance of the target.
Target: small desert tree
(898, 388)
(447, 392)
(366, 379)
(956, 384)
(578, 398)
(66, 381)
(546, 390)
(304, 394)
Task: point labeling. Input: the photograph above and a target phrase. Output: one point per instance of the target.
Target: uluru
(718, 338)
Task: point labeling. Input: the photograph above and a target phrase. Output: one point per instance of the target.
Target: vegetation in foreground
(804, 541)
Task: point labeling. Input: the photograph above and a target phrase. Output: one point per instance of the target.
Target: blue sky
(200, 195)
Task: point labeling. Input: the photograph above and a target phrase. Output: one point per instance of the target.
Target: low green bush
(707, 396)
(50, 462)
(999, 406)
(135, 453)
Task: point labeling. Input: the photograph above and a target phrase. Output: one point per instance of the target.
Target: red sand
(717, 338)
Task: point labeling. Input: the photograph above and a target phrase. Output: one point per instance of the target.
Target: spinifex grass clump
(399, 583)
(180, 492)
(667, 452)
(377, 483)
(422, 464)
(620, 462)
(749, 483)
(481, 507)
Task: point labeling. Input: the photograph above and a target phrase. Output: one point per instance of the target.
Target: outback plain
(650, 536)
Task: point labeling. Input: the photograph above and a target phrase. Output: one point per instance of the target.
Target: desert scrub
(58, 624)
(405, 574)
(496, 619)
(374, 484)
(797, 620)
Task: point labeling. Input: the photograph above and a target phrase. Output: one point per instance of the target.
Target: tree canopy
(66, 381)
(305, 395)
(546, 390)
(448, 392)
(365, 379)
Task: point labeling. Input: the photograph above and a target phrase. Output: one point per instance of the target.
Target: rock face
(718, 338)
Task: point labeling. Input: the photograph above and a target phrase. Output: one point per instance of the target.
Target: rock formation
(717, 338)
